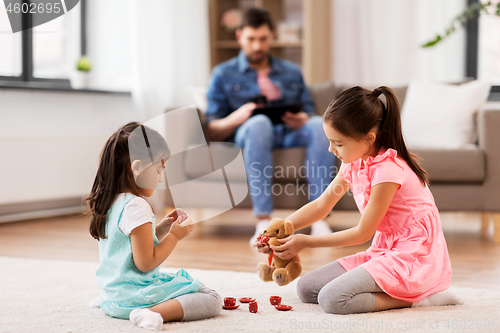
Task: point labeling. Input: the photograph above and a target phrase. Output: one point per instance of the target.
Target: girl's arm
(146, 255)
(321, 207)
(380, 199)
(317, 209)
(163, 226)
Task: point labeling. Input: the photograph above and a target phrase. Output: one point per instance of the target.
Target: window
(483, 50)
(10, 52)
(43, 56)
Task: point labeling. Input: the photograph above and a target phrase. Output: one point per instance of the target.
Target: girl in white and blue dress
(131, 245)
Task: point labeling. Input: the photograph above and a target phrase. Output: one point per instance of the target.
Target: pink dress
(408, 257)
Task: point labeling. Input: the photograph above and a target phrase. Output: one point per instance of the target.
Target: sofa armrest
(489, 142)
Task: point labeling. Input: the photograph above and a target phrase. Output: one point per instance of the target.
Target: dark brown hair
(357, 110)
(255, 17)
(132, 141)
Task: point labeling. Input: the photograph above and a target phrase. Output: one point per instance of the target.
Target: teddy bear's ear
(288, 227)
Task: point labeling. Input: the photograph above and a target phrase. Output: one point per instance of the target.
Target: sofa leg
(496, 230)
(485, 223)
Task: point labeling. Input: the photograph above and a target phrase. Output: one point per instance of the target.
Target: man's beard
(264, 58)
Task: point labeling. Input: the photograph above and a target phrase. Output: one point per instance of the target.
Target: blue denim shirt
(234, 83)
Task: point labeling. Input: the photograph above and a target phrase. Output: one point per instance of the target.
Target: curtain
(169, 51)
(378, 42)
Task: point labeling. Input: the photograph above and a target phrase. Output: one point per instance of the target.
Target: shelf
(312, 52)
(232, 44)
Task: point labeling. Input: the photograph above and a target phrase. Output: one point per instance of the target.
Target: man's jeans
(257, 136)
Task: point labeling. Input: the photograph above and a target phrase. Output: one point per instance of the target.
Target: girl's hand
(164, 225)
(176, 213)
(180, 231)
(264, 248)
(261, 247)
(290, 246)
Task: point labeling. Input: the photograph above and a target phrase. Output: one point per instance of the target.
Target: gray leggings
(338, 291)
(205, 303)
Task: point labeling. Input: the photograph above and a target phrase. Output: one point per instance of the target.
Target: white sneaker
(259, 228)
(320, 228)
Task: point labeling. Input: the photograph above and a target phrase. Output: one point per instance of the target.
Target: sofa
(465, 179)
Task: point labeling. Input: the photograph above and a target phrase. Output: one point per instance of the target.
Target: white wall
(50, 141)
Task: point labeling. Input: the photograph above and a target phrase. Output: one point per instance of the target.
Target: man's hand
(238, 117)
(295, 120)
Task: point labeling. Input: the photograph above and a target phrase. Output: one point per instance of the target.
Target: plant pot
(79, 80)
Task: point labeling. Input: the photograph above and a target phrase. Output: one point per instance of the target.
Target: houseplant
(472, 12)
(80, 77)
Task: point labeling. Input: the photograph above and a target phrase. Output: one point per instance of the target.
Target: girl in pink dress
(407, 263)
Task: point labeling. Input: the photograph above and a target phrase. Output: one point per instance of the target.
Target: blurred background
(66, 85)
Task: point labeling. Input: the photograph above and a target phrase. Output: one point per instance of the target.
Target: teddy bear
(280, 271)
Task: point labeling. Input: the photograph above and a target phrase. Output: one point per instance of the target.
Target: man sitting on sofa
(234, 84)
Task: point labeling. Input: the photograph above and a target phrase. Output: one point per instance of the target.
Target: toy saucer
(230, 307)
(246, 299)
(283, 307)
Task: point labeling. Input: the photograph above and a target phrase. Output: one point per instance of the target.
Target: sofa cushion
(453, 165)
(323, 93)
(442, 165)
(444, 111)
(289, 165)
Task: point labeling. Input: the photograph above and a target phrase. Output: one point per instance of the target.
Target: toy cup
(229, 301)
(264, 239)
(252, 307)
(275, 300)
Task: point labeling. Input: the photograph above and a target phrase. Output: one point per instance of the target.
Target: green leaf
(433, 42)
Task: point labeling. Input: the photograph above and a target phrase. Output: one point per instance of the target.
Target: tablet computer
(276, 111)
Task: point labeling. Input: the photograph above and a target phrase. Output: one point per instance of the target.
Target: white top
(137, 212)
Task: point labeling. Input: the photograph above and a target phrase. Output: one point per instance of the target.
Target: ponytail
(391, 134)
(358, 110)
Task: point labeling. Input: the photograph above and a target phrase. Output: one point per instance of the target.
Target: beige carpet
(53, 296)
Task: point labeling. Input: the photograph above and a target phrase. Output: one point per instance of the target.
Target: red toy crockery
(230, 307)
(283, 307)
(246, 299)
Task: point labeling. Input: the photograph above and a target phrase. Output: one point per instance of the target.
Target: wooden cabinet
(312, 52)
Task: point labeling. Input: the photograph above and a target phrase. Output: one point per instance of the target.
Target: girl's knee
(305, 292)
(215, 302)
(332, 302)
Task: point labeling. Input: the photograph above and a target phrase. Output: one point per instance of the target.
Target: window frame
(471, 55)
(26, 78)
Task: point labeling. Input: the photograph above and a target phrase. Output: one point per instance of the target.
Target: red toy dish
(230, 307)
(246, 299)
(283, 307)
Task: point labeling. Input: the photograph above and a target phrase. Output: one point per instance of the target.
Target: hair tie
(376, 92)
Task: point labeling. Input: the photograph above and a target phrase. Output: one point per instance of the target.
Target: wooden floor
(219, 245)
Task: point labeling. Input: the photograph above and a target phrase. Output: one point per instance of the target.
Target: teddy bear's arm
(273, 241)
